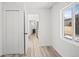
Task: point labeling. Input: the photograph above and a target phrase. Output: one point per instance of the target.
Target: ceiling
(29, 4)
(39, 4)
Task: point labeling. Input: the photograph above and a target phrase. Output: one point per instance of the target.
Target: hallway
(56, 34)
(35, 50)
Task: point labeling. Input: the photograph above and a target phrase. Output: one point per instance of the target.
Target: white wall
(63, 47)
(45, 27)
(44, 24)
(0, 29)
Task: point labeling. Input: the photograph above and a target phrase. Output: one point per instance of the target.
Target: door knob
(25, 33)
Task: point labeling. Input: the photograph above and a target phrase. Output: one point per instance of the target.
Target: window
(71, 22)
(68, 22)
(77, 22)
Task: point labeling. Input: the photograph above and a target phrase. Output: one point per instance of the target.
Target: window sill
(71, 41)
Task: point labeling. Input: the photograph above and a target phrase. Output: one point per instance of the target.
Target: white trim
(63, 19)
(68, 5)
(71, 41)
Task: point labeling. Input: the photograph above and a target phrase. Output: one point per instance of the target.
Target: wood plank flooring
(34, 50)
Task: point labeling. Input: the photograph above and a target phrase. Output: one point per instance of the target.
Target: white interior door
(14, 32)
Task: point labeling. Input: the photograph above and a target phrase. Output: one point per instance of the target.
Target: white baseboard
(57, 51)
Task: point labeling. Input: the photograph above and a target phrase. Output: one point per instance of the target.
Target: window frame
(72, 5)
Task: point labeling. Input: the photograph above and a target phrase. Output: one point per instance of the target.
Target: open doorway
(33, 24)
(31, 39)
(33, 27)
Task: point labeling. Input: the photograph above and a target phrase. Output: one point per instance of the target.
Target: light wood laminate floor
(34, 50)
